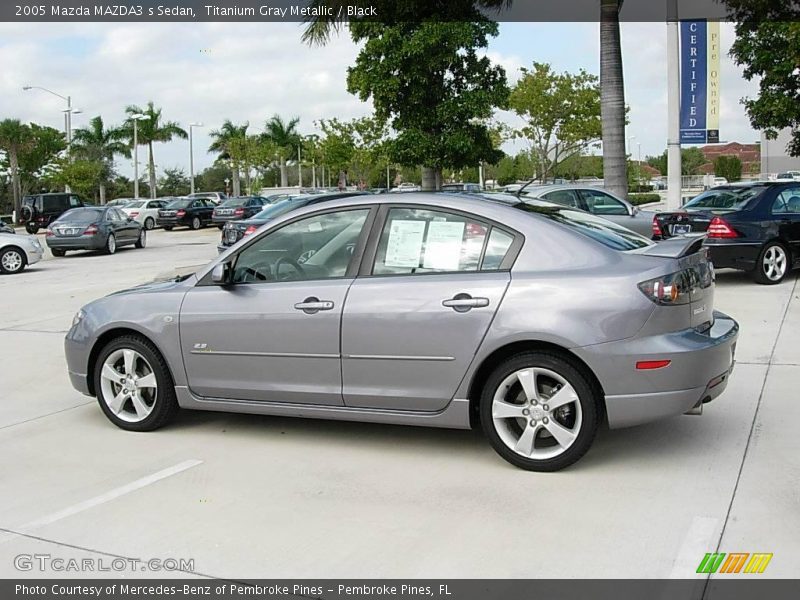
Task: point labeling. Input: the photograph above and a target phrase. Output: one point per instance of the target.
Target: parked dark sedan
(752, 227)
(94, 228)
(192, 213)
(236, 230)
(242, 207)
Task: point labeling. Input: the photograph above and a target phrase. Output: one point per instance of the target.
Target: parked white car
(406, 186)
(144, 211)
(719, 181)
(18, 251)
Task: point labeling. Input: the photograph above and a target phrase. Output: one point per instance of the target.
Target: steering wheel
(251, 274)
(289, 261)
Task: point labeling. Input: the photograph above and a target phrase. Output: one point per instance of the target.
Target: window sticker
(443, 247)
(405, 243)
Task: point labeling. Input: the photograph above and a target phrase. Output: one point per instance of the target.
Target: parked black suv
(39, 210)
(186, 211)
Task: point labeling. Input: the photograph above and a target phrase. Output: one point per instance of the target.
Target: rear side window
(563, 197)
(601, 203)
(788, 201)
(417, 241)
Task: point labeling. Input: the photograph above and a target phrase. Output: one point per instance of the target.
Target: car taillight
(675, 288)
(250, 229)
(180, 213)
(238, 211)
(134, 214)
(49, 233)
(720, 228)
(90, 230)
(656, 228)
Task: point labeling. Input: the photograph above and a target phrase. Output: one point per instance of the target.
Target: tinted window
(55, 202)
(80, 216)
(563, 197)
(599, 229)
(280, 208)
(427, 241)
(601, 203)
(725, 199)
(788, 201)
(182, 203)
(317, 247)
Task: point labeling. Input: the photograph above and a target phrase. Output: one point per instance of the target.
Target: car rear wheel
(31, 228)
(133, 385)
(12, 260)
(149, 223)
(195, 224)
(539, 411)
(111, 244)
(772, 265)
(167, 227)
(141, 242)
(58, 251)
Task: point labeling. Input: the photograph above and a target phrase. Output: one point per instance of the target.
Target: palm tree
(15, 137)
(612, 100)
(97, 144)
(285, 138)
(150, 130)
(228, 140)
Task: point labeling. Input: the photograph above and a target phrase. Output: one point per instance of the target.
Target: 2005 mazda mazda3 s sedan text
(534, 320)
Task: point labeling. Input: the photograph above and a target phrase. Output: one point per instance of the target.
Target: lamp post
(639, 164)
(136, 118)
(191, 155)
(299, 170)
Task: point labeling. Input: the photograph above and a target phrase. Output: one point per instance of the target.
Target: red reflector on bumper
(644, 365)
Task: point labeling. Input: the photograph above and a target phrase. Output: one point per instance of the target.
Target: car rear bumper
(733, 254)
(83, 242)
(172, 221)
(700, 363)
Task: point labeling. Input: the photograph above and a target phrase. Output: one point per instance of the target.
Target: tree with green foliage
(96, 143)
(212, 179)
(729, 167)
(15, 138)
(691, 160)
(561, 113)
(285, 139)
(229, 141)
(82, 176)
(149, 131)
(174, 182)
(426, 72)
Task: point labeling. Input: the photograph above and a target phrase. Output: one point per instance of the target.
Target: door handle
(313, 305)
(465, 302)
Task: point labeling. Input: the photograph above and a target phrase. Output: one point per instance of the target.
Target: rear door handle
(313, 305)
(465, 302)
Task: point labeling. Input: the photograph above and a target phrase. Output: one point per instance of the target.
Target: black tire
(195, 223)
(149, 223)
(58, 252)
(111, 244)
(165, 405)
(760, 273)
(12, 260)
(141, 241)
(167, 227)
(32, 228)
(589, 398)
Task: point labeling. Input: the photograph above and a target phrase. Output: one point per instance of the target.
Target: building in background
(749, 154)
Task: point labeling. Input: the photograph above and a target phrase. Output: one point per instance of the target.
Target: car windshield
(281, 207)
(180, 203)
(724, 200)
(234, 202)
(81, 216)
(601, 230)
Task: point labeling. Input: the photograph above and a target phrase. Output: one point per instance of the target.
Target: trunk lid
(683, 222)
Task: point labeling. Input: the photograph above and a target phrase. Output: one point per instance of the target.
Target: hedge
(637, 199)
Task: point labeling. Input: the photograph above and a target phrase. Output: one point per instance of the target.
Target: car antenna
(519, 191)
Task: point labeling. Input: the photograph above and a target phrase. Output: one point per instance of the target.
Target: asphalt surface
(247, 496)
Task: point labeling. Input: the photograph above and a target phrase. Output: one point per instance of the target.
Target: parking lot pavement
(247, 496)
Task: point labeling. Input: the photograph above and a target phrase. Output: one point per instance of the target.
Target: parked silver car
(598, 202)
(18, 251)
(535, 320)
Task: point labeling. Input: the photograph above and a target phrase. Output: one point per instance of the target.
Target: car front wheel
(12, 260)
(772, 265)
(195, 224)
(141, 242)
(133, 385)
(539, 411)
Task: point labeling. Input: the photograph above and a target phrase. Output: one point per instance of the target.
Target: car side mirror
(221, 273)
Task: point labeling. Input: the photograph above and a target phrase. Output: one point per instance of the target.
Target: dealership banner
(700, 50)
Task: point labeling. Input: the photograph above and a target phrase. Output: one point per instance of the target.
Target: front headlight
(78, 317)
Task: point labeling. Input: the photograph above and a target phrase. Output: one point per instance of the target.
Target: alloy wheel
(129, 386)
(774, 263)
(111, 244)
(12, 261)
(536, 413)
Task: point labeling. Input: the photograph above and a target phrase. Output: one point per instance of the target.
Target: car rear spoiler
(676, 247)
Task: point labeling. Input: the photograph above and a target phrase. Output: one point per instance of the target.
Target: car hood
(154, 286)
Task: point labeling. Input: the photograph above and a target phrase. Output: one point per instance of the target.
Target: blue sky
(247, 72)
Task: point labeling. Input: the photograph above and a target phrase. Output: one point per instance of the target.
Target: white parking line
(102, 498)
(702, 537)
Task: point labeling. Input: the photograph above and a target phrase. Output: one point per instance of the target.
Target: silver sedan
(18, 251)
(598, 202)
(531, 320)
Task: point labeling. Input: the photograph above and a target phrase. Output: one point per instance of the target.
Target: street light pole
(299, 169)
(673, 108)
(136, 118)
(191, 155)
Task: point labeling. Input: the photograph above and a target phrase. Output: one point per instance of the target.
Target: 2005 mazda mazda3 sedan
(534, 320)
